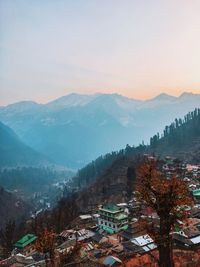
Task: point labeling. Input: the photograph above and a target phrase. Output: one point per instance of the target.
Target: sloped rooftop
(25, 241)
(111, 208)
(196, 193)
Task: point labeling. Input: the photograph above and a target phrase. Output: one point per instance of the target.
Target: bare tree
(168, 198)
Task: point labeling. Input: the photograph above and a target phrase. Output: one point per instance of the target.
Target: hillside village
(99, 133)
(111, 233)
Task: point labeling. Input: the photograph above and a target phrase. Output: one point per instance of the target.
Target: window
(105, 223)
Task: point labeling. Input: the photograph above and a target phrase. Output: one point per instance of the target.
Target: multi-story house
(112, 218)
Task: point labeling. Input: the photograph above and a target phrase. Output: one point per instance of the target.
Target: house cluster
(190, 174)
(112, 235)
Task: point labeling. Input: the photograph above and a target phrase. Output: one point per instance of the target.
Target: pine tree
(7, 237)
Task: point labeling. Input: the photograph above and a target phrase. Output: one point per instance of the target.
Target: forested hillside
(111, 177)
(75, 129)
(96, 168)
(30, 179)
(14, 153)
(114, 185)
(12, 208)
(180, 139)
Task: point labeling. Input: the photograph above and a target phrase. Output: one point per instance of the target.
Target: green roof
(108, 229)
(121, 216)
(25, 241)
(111, 230)
(196, 193)
(111, 208)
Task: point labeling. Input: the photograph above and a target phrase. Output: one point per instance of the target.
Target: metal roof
(25, 241)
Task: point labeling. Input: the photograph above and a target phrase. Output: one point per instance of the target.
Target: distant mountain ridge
(74, 129)
(14, 153)
(76, 99)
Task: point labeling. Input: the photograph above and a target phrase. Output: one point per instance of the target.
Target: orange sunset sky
(135, 48)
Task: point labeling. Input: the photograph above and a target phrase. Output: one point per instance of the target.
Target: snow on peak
(71, 100)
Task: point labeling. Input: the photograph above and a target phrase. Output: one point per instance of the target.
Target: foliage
(58, 218)
(65, 211)
(131, 175)
(46, 243)
(96, 168)
(7, 237)
(178, 132)
(168, 198)
(28, 179)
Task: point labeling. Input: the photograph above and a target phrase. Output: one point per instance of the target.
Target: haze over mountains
(75, 129)
(13, 152)
(111, 178)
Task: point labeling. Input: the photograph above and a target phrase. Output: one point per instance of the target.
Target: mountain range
(111, 178)
(75, 129)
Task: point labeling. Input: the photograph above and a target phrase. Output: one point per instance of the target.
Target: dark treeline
(96, 168)
(179, 132)
(67, 209)
(57, 219)
(175, 135)
(28, 179)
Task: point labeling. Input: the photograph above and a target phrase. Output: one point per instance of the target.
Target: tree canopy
(168, 197)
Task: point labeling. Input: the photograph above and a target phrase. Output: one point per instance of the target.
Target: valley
(75, 129)
(52, 196)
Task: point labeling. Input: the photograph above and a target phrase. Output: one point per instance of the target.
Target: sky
(137, 48)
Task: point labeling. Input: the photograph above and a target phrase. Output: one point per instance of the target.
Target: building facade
(196, 195)
(112, 218)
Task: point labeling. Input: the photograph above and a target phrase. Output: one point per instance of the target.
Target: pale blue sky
(138, 48)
